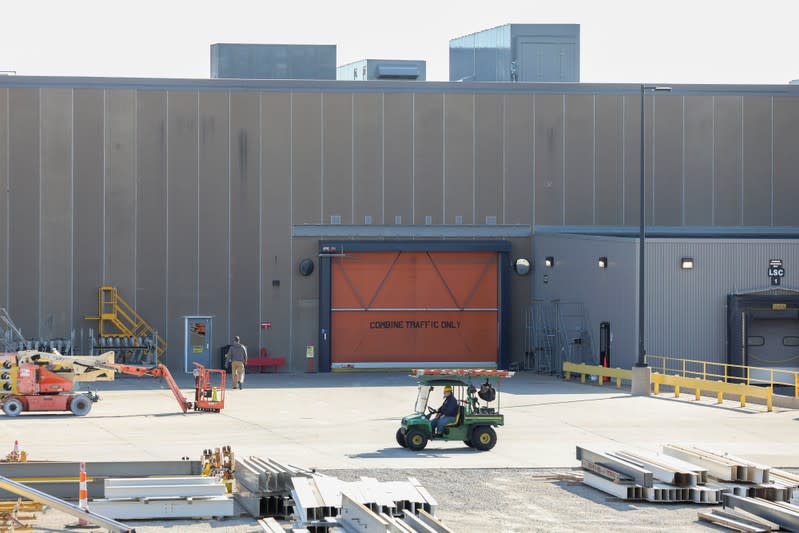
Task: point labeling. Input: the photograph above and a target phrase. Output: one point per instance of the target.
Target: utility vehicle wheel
(80, 405)
(401, 438)
(415, 440)
(468, 443)
(12, 407)
(484, 438)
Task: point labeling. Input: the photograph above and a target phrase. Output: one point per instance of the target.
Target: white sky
(670, 41)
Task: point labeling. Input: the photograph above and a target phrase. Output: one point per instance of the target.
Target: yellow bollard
(676, 391)
(720, 397)
(743, 400)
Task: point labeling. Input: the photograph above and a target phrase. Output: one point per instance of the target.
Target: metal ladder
(556, 332)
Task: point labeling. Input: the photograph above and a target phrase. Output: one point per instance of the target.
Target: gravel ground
(484, 500)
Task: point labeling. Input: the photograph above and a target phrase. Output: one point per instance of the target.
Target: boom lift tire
(80, 405)
(416, 440)
(12, 407)
(484, 438)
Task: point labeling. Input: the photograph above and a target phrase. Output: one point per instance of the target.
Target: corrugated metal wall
(686, 310)
(184, 193)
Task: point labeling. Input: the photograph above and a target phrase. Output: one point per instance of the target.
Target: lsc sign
(775, 271)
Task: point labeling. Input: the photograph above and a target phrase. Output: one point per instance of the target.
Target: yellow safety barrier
(595, 370)
(721, 388)
(724, 371)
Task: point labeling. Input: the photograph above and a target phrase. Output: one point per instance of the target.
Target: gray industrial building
(517, 52)
(234, 199)
(383, 69)
(273, 61)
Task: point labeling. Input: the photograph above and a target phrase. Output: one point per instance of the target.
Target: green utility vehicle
(475, 390)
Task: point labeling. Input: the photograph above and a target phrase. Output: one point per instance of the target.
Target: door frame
(738, 306)
(208, 338)
(330, 249)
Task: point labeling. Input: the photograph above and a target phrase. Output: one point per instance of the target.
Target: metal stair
(118, 319)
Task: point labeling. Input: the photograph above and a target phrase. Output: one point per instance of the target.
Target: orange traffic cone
(83, 500)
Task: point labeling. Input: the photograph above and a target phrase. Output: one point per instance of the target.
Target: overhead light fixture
(687, 263)
(602, 262)
(549, 261)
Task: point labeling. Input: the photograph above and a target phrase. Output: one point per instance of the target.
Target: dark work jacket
(449, 407)
(237, 352)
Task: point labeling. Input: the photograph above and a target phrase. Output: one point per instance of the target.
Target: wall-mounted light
(521, 266)
(687, 263)
(549, 261)
(602, 262)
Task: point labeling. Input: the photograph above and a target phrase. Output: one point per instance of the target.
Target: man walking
(237, 356)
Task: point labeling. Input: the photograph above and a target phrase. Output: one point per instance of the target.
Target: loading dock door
(403, 309)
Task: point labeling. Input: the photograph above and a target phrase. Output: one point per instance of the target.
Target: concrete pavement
(348, 421)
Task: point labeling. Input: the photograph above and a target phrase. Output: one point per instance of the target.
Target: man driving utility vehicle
(446, 413)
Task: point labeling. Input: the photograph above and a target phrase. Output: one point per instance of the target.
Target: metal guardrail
(727, 373)
(719, 387)
(698, 384)
(593, 370)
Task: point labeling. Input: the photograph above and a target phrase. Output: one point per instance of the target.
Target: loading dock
(763, 329)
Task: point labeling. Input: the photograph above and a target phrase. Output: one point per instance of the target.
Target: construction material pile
(761, 496)
(267, 488)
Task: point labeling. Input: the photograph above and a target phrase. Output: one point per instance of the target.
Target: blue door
(198, 341)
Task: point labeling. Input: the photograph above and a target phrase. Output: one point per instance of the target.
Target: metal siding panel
(4, 196)
(24, 231)
(686, 308)
(489, 172)
(120, 192)
(579, 160)
(337, 150)
(151, 257)
(245, 195)
(607, 294)
(368, 160)
(608, 144)
(632, 160)
(698, 160)
(519, 159)
(276, 260)
(428, 138)
(786, 160)
(214, 220)
(305, 305)
(727, 161)
(548, 193)
(667, 154)
(693, 303)
(459, 154)
(182, 219)
(88, 195)
(398, 178)
(757, 161)
(56, 223)
(306, 151)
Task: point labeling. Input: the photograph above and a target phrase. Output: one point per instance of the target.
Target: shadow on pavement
(402, 453)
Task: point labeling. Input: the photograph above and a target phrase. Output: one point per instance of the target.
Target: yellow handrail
(724, 372)
(115, 311)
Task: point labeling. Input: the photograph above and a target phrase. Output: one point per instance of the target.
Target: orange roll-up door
(403, 309)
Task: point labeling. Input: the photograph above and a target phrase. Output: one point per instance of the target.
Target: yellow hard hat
(447, 388)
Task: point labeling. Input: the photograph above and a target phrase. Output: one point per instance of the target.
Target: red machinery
(46, 382)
